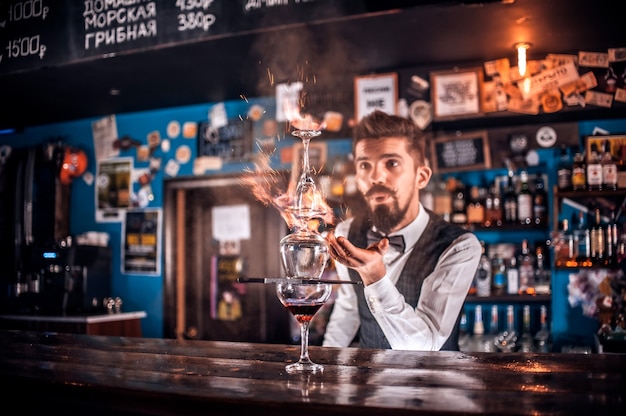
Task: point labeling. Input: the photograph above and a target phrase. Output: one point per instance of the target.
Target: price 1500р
(25, 47)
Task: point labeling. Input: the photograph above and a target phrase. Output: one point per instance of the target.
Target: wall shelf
(509, 299)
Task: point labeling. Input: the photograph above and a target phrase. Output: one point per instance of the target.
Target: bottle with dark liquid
(498, 276)
(564, 170)
(596, 237)
(459, 204)
(475, 207)
(611, 241)
(540, 202)
(510, 201)
(524, 201)
(579, 173)
(493, 208)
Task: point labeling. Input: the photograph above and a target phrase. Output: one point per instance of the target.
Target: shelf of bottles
(509, 330)
(591, 193)
(589, 234)
(508, 210)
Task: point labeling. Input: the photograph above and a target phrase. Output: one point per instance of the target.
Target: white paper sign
(104, 133)
(287, 98)
(218, 116)
(377, 92)
(230, 222)
(550, 79)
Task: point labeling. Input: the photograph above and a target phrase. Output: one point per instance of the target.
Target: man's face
(389, 180)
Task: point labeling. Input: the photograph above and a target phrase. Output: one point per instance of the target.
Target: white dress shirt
(426, 327)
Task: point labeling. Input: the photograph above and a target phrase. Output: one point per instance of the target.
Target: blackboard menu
(230, 142)
(36, 34)
(460, 152)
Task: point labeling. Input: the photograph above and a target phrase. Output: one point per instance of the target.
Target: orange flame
(272, 188)
(301, 121)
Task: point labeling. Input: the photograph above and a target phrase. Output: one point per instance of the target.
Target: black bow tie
(396, 241)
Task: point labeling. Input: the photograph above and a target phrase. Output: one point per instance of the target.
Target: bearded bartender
(415, 267)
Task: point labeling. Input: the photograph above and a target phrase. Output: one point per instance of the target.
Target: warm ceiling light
(522, 48)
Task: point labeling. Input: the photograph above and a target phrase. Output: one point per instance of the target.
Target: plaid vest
(419, 265)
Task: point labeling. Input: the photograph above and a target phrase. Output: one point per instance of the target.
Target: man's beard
(386, 217)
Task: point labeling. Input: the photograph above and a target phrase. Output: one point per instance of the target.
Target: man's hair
(378, 125)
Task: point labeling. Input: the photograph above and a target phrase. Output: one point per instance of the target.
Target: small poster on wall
(113, 191)
(141, 242)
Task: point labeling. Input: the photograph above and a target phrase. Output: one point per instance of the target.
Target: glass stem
(306, 167)
(304, 342)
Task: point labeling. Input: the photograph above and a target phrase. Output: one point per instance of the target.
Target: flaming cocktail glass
(304, 255)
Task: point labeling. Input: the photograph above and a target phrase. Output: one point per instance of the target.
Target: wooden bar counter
(79, 374)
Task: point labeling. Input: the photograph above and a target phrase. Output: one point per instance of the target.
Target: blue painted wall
(146, 292)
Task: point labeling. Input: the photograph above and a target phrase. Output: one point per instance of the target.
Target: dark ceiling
(439, 34)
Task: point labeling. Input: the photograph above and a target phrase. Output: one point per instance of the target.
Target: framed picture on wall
(456, 93)
(460, 152)
(375, 92)
(615, 144)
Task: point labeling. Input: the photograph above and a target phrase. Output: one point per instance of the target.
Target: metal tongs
(295, 281)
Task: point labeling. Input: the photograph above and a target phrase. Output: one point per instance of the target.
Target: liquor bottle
(475, 207)
(491, 339)
(540, 202)
(526, 340)
(442, 201)
(493, 208)
(526, 270)
(478, 330)
(611, 241)
(510, 201)
(566, 248)
(507, 339)
(594, 170)
(542, 337)
(482, 276)
(564, 170)
(609, 168)
(464, 334)
(582, 240)
(498, 277)
(596, 237)
(524, 200)
(579, 173)
(459, 204)
(512, 277)
(542, 272)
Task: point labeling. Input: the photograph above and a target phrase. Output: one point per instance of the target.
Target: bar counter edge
(87, 374)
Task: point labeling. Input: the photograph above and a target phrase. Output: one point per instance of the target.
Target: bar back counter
(96, 375)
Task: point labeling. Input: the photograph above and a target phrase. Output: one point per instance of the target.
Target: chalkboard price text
(25, 10)
(25, 46)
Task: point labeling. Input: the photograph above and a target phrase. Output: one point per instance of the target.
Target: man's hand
(368, 262)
